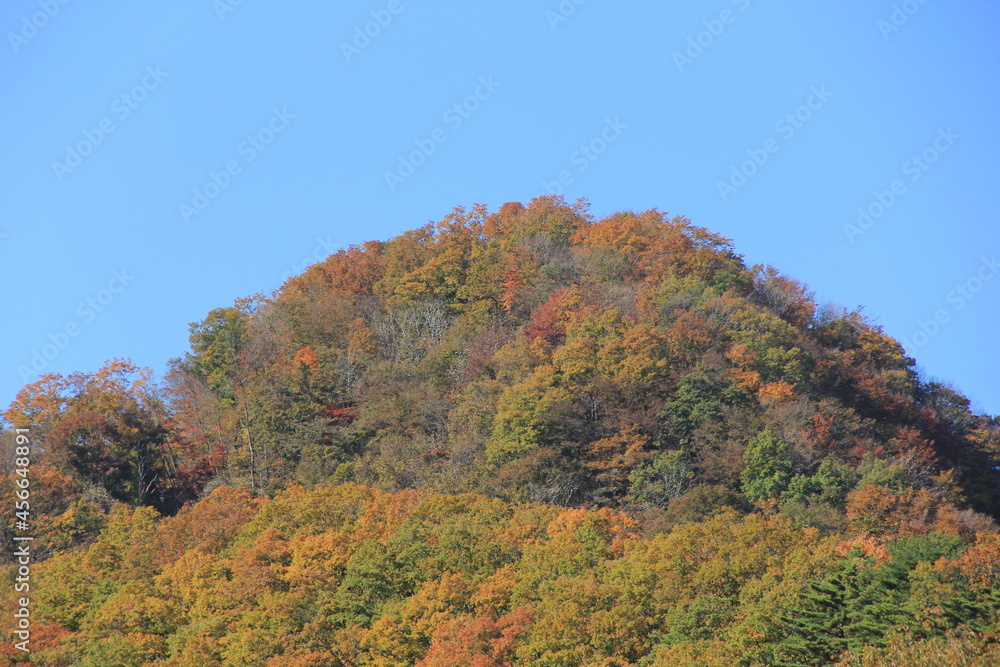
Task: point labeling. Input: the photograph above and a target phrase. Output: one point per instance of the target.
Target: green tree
(767, 467)
(669, 475)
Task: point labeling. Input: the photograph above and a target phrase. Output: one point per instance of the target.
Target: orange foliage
(305, 357)
(908, 440)
(513, 282)
(614, 527)
(776, 392)
(690, 335)
(353, 271)
(878, 511)
(869, 546)
(649, 246)
(980, 563)
(483, 641)
(613, 458)
(207, 526)
(37, 402)
(871, 509)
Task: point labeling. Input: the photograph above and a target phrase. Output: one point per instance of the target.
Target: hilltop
(575, 405)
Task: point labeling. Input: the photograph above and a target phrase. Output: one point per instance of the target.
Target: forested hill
(519, 437)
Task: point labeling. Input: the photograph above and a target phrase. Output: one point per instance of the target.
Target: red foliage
(513, 283)
(340, 414)
(546, 323)
(820, 432)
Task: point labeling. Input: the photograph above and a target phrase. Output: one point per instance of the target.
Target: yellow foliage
(776, 392)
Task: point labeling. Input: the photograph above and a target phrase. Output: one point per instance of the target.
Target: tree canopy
(526, 436)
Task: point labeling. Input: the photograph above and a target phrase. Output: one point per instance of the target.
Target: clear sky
(158, 160)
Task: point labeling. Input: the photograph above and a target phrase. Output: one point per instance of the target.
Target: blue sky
(158, 160)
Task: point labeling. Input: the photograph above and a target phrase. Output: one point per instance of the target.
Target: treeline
(538, 355)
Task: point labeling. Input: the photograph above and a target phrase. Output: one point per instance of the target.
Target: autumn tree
(109, 429)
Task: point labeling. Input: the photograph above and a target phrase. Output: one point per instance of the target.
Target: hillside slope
(350, 575)
(712, 460)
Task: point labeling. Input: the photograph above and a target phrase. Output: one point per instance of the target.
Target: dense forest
(521, 437)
